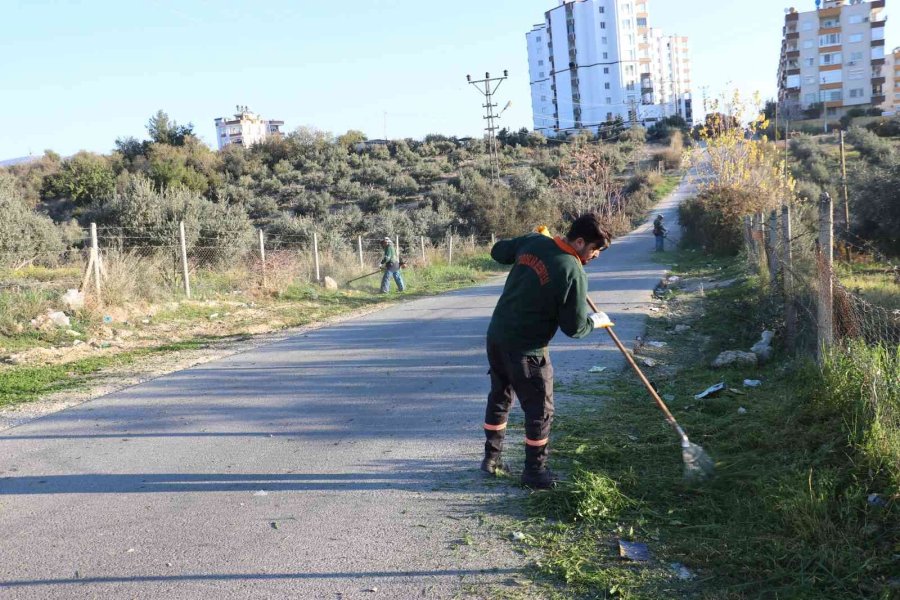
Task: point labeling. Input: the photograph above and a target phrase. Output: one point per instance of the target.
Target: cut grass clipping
(804, 504)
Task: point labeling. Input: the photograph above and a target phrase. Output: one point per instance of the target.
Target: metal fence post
(316, 254)
(450, 250)
(359, 245)
(826, 263)
(184, 262)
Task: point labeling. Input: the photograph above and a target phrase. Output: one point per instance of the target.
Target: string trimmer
(364, 276)
(697, 463)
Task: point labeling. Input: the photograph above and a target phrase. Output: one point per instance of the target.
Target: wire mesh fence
(794, 252)
(118, 264)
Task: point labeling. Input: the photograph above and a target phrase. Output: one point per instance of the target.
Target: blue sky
(77, 74)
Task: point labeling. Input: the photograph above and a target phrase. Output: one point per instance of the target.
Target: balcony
(877, 24)
(879, 81)
(876, 100)
(876, 4)
(876, 43)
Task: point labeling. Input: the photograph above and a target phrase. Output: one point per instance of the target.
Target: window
(626, 23)
(809, 62)
(540, 63)
(856, 93)
(854, 38)
(602, 10)
(642, 22)
(857, 74)
(829, 39)
(606, 85)
(609, 116)
(831, 111)
(809, 98)
(605, 55)
(603, 40)
(829, 23)
(541, 74)
(855, 56)
(830, 95)
(855, 19)
(543, 98)
(808, 44)
(602, 24)
(832, 58)
(806, 26)
(608, 100)
(606, 70)
(538, 39)
(809, 80)
(630, 86)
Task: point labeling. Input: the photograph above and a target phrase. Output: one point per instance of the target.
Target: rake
(697, 463)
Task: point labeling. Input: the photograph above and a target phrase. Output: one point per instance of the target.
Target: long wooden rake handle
(643, 378)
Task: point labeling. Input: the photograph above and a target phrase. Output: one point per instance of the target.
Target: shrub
(24, 234)
(712, 220)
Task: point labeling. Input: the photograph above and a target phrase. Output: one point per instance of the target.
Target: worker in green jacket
(390, 262)
(546, 290)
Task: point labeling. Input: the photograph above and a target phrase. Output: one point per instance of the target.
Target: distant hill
(18, 161)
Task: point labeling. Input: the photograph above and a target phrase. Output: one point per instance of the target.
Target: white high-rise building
(591, 61)
(246, 128)
(833, 59)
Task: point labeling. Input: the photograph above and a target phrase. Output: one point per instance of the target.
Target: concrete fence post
(95, 252)
(316, 255)
(787, 269)
(450, 250)
(825, 328)
(772, 248)
(362, 263)
(185, 274)
(262, 255)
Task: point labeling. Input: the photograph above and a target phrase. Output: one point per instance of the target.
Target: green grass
(25, 384)
(786, 515)
(667, 186)
(875, 282)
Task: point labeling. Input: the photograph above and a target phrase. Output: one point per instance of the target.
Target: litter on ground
(635, 551)
(710, 391)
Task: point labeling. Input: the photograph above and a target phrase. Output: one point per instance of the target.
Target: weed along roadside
(804, 503)
(47, 362)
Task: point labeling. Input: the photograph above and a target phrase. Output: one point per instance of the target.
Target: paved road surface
(321, 466)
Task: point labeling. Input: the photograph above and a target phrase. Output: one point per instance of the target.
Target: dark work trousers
(531, 379)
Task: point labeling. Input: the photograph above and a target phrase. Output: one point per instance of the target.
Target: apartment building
(591, 61)
(892, 83)
(832, 58)
(246, 128)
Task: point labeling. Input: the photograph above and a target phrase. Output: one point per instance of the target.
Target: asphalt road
(323, 466)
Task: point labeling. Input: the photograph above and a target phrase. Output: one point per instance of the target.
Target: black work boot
(536, 474)
(543, 479)
(493, 447)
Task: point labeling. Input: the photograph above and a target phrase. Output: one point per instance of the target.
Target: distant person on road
(391, 265)
(660, 232)
(545, 290)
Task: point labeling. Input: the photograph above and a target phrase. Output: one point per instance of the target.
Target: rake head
(698, 466)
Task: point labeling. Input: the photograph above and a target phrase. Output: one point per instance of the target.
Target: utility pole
(846, 198)
(484, 86)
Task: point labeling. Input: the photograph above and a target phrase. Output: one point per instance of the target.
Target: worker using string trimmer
(546, 290)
